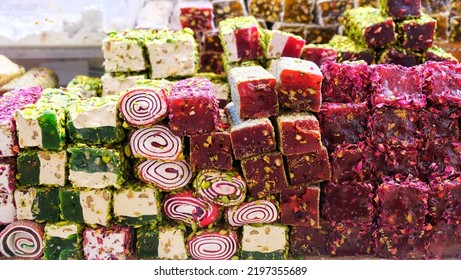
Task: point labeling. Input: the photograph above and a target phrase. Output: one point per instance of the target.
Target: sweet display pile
(284, 149)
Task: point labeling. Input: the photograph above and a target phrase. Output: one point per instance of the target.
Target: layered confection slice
(299, 11)
(173, 54)
(40, 204)
(417, 34)
(351, 240)
(442, 82)
(214, 244)
(399, 56)
(7, 208)
(165, 175)
(351, 162)
(309, 241)
(398, 9)
(7, 175)
(88, 206)
(96, 167)
(264, 242)
(402, 243)
(319, 53)
(223, 9)
(22, 240)
(330, 13)
(108, 243)
(88, 86)
(115, 83)
(265, 174)
(211, 151)
(196, 15)
(309, 168)
(136, 204)
(267, 10)
(349, 50)
(283, 44)
(63, 241)
(299, 84)
(38, 167)
(254, 211)
(300, 206)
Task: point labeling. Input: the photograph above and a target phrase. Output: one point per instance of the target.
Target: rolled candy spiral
(144, 106)
(216, 245)
(22, 239)
(189, 209)
(157, 142)
(254, 212)
(226, 188)
(166, 175)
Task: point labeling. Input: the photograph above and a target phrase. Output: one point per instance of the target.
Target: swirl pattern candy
(226, 188)
(144, 106)
(165, 175)
(258, 211)
(22, 239)
(217, 245)
(189, 209)
(156, 142)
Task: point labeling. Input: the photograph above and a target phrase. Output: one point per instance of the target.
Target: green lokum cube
(63, 241)
(38, 204)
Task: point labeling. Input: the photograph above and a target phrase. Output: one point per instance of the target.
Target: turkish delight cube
(40, 204)
(392, 160)
(264, 174)
(223, 9)
(442, 27)
(136, 204)
(242, 38)
(283, 44)
(252, 137)
(345, 82)
(7, 208)
(317, 34)
(299, 11)
(96, 167)
(431, 6)
(330, 13)
(402, 202)
(211, 42)
(7, 175)
(439, 157)
(445, 241)
(108, 243)
(319, 53)
(253, 92)
(455, 29)
(211, 62)
(393, 126)
(89, 206)
(349, 202)
(115, 83)
(445, 199)
(300, 206)
(343, 123)
(173, 54)
(367, 26)
(365, 3)
(211, 151)
(309, 168)
(196, 15)
(299, 84)
(436, 53)
(309, 241)
(351, 162)
(38, 167)
(442, 82)
(399, 56)
(298, 133)
(402, 243)
(398, 9)
(417, 34)
(124, 51)
(193, 107)
(297, 29)
(63, 241)
(264, 242)
(95, 120)
(350, 240)
(438, 121)
(349, 50)
(267, 10)
(88, 86)
(397, 86)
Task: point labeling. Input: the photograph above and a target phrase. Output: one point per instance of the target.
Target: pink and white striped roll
(144, 106)
(22, 239)
(226, 188)
(219, 245)
(254, 212)
(157, 142)
(189, 209)
(165, 175)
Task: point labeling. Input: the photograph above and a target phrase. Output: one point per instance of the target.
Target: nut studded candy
(309, 168)
(417, 34)
(88, 86)
(317, 34)
(299, 84)
(398, 9)
(330, 13)
(114, 83)
(63, 241)
(264, 242)
(40, 204)
(214, 244)
(22, 239)
(38, 167)
(309, 241)
(399, 56)
(7, 175)
(319, 53)
(348, 50)
(403, 243)
(351, 162)
(440, 157)
(442, 82)
(283, 44)
(436, 53)
(164, 175)
(7, 208)
(444, 199)
(211, 62)
(300, 206)
(223, 9)
(211, 41)
(196, 15)
(108, 243)
(258, 211)
(211, 151)
(350, 240)
(267, 10)
(300, 11)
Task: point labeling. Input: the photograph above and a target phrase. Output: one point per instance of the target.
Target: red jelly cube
(211, 151)
(309, 241)
(350, 240)
(319, 54)
(440, 157)
(442, 82)
(196, 15)
(394, 160)
(300, 206)
(398, 56)
(309, 168)
(298, 133)
(264, 174)
(283, 44)
(351, 162)
(399, 9)
(402, 243)
(299, 84)
(445, 199)
(445, 242)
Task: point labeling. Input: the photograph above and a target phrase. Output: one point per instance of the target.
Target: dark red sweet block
(309, 168)
(395, 127)
(319, 54)
(211, 42)
(398, 56)
(343, 123)
(317, 34)
(299, 84)
(350, 240)
(417, 34)
(253, 137)
(264, 174)
(211, 62)
(445, 199)
(393, 160)
(197, 16)
(299, 206)
(351, 162)
(345, 82)
(403, 243)
(193, 107)
(440, 157)
(397, 86)
(401, 9)
(442, 82)
(438, 54)
(211, 151)
(298, 133)
(309, 241)
(438, 121)
(445, 242)
(349, 202)
(402, 202)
